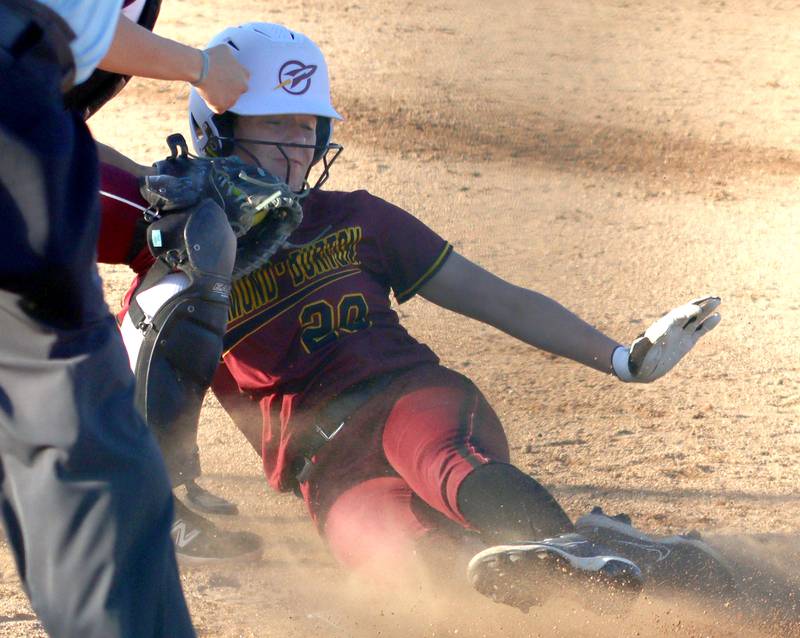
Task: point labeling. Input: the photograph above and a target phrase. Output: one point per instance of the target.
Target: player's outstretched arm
(216, 73)
(466, 288)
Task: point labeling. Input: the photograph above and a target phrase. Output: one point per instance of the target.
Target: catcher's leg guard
(181, 319)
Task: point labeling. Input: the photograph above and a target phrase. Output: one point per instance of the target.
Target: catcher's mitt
(262, 210)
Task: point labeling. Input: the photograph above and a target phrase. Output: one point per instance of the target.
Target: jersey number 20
(323, 324)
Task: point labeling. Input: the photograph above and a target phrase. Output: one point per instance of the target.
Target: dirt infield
(620, 156)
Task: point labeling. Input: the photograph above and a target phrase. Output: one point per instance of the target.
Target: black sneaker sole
(198, 561)
(208, 503)
(525, 575)
(193, 548)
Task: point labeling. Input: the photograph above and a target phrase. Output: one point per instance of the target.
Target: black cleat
(198, 541)
(207, 502)
(523, 575)
(680, 562)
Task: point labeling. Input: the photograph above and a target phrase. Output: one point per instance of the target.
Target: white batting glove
(664, 343)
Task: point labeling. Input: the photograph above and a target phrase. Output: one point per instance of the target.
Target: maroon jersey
(317, 318)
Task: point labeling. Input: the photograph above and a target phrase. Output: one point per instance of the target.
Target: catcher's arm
(138, 51)
(113, 157)
(538, 320)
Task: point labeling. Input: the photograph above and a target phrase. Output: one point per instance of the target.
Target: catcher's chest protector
(182, 339)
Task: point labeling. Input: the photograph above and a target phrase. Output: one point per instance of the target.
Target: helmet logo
(295, 77)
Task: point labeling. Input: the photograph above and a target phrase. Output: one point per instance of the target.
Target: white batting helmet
(288, 76)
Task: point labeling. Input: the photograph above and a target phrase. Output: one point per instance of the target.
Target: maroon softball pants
(392, 476)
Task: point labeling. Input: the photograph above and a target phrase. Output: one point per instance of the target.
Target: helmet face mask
(320, 153)
(288, 76)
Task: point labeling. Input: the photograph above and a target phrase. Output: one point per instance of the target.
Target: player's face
(282, 130)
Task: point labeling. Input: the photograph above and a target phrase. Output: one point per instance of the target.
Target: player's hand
(664, 343)
(226, 80)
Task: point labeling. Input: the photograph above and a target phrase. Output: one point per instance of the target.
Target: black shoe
(524, 574)
(683, 562)
(207, 502)
(197, 540)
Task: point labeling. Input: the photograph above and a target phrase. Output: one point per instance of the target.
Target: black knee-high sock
(505, 505)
